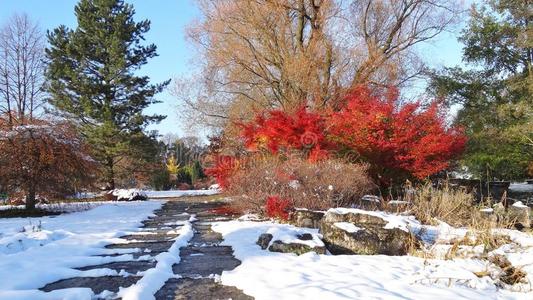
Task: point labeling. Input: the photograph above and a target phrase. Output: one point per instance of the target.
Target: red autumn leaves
(397, 141)
(278, 132)
(403, 141)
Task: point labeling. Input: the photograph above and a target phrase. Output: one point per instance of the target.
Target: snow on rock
(268, 275)
(394, 220)
(519, 204)
(289, 234)
(371, 198)
(347, 226)
(62, 243)
(129, 194)
(156, 277)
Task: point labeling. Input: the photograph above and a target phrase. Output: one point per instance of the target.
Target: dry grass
(509, 274)
(453, 206)
(319, 185)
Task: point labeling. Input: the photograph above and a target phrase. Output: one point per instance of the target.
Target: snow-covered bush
(42, 157)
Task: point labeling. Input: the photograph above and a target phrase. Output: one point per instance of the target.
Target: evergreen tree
(92, 80)
(197, 172)
(496, 92)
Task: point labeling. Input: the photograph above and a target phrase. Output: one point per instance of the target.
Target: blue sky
(169, 19)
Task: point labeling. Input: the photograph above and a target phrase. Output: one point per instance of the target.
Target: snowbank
(177, 194)
(61, 243)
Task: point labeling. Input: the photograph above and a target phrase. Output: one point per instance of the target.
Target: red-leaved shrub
(277, 207)
(280, 132)
(398, 142)
(222, 170)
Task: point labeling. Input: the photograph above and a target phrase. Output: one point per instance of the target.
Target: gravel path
(201, 260)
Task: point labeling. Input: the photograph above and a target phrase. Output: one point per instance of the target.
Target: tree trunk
(30, 197)
(110, 176)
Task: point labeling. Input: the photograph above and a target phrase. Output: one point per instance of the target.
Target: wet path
(201, 260)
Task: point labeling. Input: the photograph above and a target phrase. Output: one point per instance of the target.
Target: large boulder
(353, 231)
(128, 194)
(306, 218)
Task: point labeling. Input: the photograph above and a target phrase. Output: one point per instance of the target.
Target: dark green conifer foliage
(93, 79)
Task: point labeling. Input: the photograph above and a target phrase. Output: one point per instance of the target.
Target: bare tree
(21, 68)
(256, 54)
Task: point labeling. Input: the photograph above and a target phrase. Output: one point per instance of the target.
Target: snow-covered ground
(37, 251)
(177, 194)
(521, 187)
(268, 275)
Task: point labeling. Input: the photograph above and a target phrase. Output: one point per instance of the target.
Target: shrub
(277, 207)
(318, 185)
(399, 142)
(160, 179)
(280, 132)
(224, 167)
(226, 210)
(184, 175)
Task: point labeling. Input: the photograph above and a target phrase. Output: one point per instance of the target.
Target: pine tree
(92, 80)
(496, 92)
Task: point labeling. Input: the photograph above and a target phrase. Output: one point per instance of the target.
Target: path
(201, 260)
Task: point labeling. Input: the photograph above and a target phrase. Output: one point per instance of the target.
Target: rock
(296, 248)
(306, 218)
(128, 194)
(305, 237)
(521, 214)
(488, 214)
(370, 237)
(263, 240)
(398, 205)
(370, 202)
